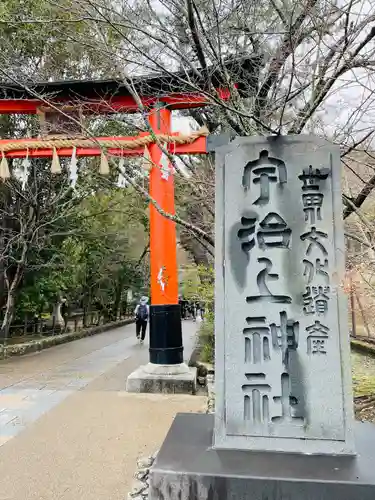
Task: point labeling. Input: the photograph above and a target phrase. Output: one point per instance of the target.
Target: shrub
(207, 339)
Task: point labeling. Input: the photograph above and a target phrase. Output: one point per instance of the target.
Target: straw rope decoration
(26, 163)
(66, 142)
(55, 165)
(4, 167)
(104, 144)
(104, 166)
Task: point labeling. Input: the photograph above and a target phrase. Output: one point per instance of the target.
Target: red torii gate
(110, 96)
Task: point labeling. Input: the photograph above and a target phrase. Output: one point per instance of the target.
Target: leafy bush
(207, 339)
(198, 285)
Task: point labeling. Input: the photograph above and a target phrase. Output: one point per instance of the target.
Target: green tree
(112, 237)
(43, 40)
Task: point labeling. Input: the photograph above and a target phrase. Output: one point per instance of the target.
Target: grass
(363, 372)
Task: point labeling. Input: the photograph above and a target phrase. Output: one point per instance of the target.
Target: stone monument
(283, 427)
(282, 348)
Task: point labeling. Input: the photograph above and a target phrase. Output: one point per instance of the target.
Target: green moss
(363, 372)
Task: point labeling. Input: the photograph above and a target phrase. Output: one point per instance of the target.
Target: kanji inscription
(280, 335)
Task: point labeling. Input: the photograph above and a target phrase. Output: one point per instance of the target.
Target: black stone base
(166, 335)
(187, 468)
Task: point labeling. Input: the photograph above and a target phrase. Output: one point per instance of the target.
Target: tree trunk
(11, 297)
(86, 307)
(7, 321)
(196, 215)
(118, 299)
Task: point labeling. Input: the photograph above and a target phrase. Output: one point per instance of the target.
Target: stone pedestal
(168, 379)
(188, 468)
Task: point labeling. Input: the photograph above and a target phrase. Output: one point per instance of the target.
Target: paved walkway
(68, 431)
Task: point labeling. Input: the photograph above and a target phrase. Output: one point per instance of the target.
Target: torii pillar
(166, 371)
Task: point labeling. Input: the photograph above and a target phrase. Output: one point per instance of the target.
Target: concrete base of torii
(167, 379)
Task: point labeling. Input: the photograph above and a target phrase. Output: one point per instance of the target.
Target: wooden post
(364, 319)
(165, 319)
(352, 305)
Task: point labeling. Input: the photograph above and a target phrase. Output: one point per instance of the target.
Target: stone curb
(211, 393)
(362, 346)
(140, 486)
(46, 343)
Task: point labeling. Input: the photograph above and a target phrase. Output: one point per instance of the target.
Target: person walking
(181, 302)
(192, 310)
(141, 317)
(202, 308)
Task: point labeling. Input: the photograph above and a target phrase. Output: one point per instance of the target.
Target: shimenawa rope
(69, 142)
(65, 142)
